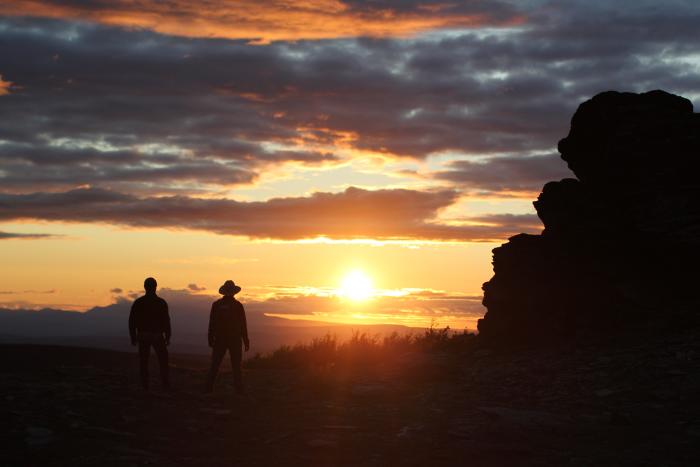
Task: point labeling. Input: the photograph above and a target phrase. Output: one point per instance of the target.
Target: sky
(347, 161)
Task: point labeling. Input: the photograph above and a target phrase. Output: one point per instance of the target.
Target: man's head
(229, 289)
(150, 285)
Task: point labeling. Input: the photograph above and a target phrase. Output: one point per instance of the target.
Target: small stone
(322, 443)
(109, 431)
(620, 419)
(604, 392)
(216, 411)
(340, 427)
(409, 430)
(524, 417)
(368, 390)
(38, 436)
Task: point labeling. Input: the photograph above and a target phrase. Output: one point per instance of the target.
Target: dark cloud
(494, 9)
(116, 290)
(514, 222)
(157, 115)
(25, 236)
(506, 174)
(149, 114)
(14, 292)
(354, 213)
(195, 288)
(44, 167)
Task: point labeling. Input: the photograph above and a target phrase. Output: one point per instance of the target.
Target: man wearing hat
(227, 328)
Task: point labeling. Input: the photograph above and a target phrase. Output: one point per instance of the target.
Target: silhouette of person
(227, 328)
(149, 326)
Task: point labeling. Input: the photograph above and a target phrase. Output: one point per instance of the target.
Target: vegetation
(363, 349)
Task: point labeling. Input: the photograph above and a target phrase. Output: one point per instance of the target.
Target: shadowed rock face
(621, 245)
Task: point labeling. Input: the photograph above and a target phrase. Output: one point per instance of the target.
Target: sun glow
(356, 285)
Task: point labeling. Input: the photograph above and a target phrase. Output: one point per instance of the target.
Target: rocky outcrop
(620, 249)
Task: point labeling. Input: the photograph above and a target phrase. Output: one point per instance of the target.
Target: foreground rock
(621, 242)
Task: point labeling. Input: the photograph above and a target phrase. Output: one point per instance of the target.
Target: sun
(356, 285)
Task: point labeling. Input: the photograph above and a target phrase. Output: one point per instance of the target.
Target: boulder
(620, 241)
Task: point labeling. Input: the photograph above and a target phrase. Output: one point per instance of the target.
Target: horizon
(357, 169)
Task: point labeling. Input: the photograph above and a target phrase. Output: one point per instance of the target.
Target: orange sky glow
(345, 161)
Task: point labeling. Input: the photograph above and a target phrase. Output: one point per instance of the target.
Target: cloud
(15, 292)
(526, 174)
(207, 260)
(61, 168)
(4, 86)
(25, 236)
(194, 117)
(116, 290)
(124, 126)
(416, 308)
(275, 20)
(195, 288)
(513, 222)
(354, 213)
(165, 112)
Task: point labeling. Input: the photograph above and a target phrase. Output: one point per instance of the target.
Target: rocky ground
(628, 404)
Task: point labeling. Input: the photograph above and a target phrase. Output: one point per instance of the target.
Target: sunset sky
(347, 161)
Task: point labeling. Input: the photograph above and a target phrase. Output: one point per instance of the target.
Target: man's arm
(132, 323)
(166, 322)
(212, 325)
(244, 329)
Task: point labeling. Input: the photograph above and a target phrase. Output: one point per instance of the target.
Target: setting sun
(356, 285)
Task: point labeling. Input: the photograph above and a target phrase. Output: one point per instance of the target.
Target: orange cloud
(274, 20)
(414, 307)
(390, 214)
(4, 86)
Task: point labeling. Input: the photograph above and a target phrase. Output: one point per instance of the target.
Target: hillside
(628, 404)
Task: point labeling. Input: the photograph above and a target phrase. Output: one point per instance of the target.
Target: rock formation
(620, 250)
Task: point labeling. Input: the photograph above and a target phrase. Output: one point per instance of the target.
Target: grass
(363, 349)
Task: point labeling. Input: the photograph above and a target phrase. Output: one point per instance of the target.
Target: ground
(627, 404)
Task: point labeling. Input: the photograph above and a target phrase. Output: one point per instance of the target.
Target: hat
(229, 288)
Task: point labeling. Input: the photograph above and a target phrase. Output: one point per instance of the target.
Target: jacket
(149, 316)
(227, 321)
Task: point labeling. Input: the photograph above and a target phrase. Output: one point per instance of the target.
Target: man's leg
(236, 354)
(144, 354)
(217, 354)
(162, 354)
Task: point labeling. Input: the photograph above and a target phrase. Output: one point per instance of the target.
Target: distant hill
(106, 327)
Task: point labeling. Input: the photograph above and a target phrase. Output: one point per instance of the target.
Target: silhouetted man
(149, 326)
(227, 328)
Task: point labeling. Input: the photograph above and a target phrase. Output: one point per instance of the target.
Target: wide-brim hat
(229, 288)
